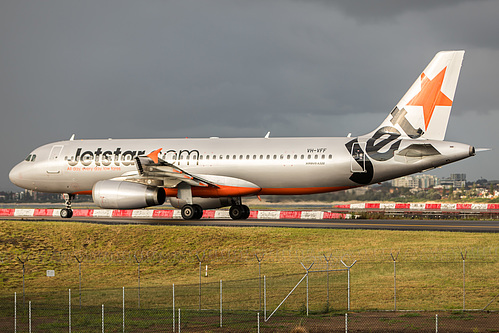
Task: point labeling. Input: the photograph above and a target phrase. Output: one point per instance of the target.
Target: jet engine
(205, 203)
(126, 195)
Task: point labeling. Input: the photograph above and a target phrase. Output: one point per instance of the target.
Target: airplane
(198, 174)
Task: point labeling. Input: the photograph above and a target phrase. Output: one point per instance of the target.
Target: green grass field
(429, 264)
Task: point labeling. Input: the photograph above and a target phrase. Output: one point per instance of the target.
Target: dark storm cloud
(386, 9)
(125, 68)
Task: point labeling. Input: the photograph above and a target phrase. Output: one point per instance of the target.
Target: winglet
(154, 155)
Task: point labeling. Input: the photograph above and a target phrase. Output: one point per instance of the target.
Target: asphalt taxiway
(382, 224)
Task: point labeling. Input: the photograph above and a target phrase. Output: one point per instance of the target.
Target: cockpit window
(30, 158)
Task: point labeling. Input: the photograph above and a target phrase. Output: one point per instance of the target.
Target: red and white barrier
(420, 206)
(173, 214)
(255, 214)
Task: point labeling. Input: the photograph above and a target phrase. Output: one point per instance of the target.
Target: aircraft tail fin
(425, 108)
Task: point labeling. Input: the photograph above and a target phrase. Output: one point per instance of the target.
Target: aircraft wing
(154, 170)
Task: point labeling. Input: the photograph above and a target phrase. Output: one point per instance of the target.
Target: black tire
(66, 213)
(236, 212)
(198, 212)
(246, 211)
(188, 212)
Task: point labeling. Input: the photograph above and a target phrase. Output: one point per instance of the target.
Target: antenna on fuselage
(72, 138)
(267, 135)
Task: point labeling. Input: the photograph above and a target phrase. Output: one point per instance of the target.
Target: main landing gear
(67, 212)
(239, 212)
(192, 212)
(195, 212)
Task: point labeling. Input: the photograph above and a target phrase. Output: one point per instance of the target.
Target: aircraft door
(358, 164)
(53, 166)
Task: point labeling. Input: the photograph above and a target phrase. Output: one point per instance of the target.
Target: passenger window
(268, 157)
(295, 157)
(228, 157)
(261, 157)
(254, 157)
(316, 156)
(289, 156)
(207, 157)
(247, 157)
(309, 156)
(302, 157)
(323, 157)
(214, 157)
(330, 156)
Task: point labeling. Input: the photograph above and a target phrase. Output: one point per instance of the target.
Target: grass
(429, 266)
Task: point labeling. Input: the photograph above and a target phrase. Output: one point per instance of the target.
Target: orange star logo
(431, 96)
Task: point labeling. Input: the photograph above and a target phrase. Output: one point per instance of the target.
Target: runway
(396, 224)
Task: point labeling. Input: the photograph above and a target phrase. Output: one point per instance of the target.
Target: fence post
(123, 309)
(464, 278)
(173, 292)
(69, 310)
(260, 280)
(394, 280)
(29, 316)
(346, 322)
(436, 323)
(348, 288)
(220, 303)
(258, 321)
(200, 262)
(23, 263)
(178, 320)
(307, 269)
(327, 273)
(102, 318)
(15, 312)
(265, 298)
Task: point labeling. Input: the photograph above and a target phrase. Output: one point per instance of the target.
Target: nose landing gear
(67, 213)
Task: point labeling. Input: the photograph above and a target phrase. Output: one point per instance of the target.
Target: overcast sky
(158, 68)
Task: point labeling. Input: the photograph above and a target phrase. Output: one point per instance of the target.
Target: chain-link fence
(39, 315)
(281, 291)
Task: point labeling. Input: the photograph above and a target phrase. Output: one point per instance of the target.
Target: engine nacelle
(205, 203)
(126, 195)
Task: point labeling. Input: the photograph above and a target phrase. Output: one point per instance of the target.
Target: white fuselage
(275, 165)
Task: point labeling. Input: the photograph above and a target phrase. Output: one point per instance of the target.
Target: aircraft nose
(15, 175)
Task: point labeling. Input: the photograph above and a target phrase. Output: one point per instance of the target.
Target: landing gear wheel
(66, 213)
(237, 212)
(191, 212)
(246, 211)
(198, 212)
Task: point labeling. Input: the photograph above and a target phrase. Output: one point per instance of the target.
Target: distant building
(456, 180)
(416, 181)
